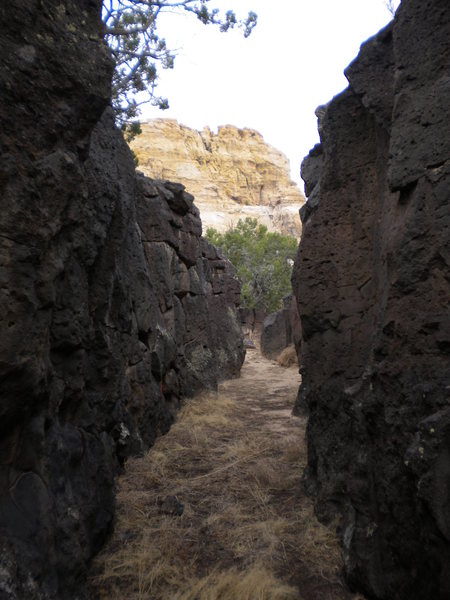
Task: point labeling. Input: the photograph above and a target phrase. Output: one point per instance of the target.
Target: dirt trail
(234, 461)
(268, 392)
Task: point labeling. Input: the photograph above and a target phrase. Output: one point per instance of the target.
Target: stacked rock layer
(233, 174)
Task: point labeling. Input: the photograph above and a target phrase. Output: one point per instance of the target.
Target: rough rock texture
(112, 306)
(233, 174)
(280, 329)
(193, 334)
(372, 282)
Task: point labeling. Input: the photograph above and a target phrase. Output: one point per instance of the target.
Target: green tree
(139, 51)
(263, 262)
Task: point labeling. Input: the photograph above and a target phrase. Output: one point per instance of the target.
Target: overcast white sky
(272, 81)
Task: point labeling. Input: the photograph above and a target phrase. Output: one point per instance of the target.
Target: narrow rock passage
(235, 461)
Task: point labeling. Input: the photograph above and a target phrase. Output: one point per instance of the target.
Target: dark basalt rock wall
(372, 282)
(112, 305)
(281, 329)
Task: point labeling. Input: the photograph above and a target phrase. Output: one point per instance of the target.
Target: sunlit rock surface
(232, 174)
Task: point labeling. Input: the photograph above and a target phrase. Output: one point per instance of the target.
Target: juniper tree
(139, 51)
(263, 262)
(392, 6)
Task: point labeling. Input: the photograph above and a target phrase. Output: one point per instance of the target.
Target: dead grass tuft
(247, 531)
(255, 584)
(288, 358)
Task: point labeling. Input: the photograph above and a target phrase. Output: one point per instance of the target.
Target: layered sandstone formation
(113, 308)
(233, 174)
(372, 282)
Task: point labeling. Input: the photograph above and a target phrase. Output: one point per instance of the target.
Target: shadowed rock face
(280, 329)
(112, 305)
(372, 282)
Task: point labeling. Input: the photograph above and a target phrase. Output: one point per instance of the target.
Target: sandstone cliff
(372, 282)
(232, 174)
(113, 308)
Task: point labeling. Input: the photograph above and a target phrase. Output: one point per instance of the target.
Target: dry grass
(255, 583)
(247, 531)
(288, 357)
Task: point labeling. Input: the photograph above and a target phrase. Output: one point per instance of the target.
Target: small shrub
(288, 357)
(263, 262)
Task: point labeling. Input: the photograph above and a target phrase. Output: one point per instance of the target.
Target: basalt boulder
(280, 329)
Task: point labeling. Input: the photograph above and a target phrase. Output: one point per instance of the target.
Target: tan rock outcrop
(232, 174)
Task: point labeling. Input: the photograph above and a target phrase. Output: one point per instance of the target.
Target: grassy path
(234, 460)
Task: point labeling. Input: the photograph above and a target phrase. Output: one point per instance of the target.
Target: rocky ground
(234, 463)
